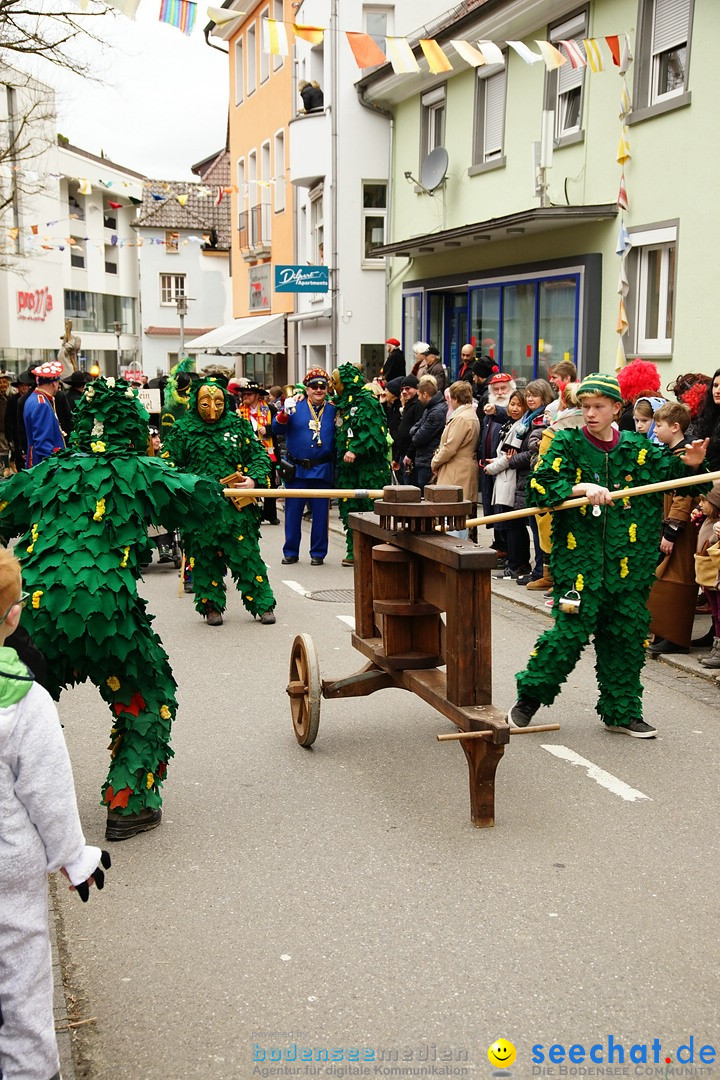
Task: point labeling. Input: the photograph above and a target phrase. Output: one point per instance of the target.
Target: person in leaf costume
(82, 519)
(177, 393)
(213, 441)
(603, 557)
(361, 443)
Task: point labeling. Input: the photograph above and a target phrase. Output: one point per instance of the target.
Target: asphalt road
(340, 898)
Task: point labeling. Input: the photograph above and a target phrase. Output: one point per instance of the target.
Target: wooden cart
(407, 575)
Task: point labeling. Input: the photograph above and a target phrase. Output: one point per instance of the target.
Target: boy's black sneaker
(637, 728)
(522, 712)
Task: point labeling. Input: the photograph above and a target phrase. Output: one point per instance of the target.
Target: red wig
(694, 398)
(637, 379)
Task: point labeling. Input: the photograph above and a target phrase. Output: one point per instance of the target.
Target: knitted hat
(713, 496)
(410, 380)
(484, 367)
(597, 383)
(395, 386)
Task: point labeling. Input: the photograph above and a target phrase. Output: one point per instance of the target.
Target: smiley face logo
(501, 1053)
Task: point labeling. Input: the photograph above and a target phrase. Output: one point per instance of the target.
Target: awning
(511, 227)
(254, 333)
(308, 316)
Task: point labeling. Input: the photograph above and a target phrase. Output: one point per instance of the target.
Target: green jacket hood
(15, 679)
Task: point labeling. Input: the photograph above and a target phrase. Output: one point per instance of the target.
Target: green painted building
(485, 246)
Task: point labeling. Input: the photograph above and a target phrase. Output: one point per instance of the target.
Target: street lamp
(117, 327)
(181, 303)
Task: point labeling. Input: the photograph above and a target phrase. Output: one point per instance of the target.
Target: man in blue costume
(44, 436)
(308, 427)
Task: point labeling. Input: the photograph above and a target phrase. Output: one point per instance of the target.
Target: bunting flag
(623, 153)
(219, 196)
(524, 52)
(620, 357)
(625, 101)
(127, 7)
(34, 229)
(592, 49)
(156, 197)
(553, 57)
(493, 53)
(85, 187)
(469, 54)
(622, 199)
(623, 287)
(13, 233)
(613, 44)
(622, 324)
(223, 16)
(626, 57)
(179, 13)
(436, 58)
(575, 54)
(275, 39)
(623, 243)
(401, 56)
(115, 205)
(364, 49)
(182, 199)
(312, 34)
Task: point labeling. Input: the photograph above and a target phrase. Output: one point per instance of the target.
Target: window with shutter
(494, 115)
(564, 86)
(671, 22)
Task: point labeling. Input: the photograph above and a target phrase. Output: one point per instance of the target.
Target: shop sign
(34, 304)
(259, 282)
(302, 279)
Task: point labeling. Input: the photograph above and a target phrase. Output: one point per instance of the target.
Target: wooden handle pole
(455, 736)
(621, 493)
(304, 493)
(181, 576)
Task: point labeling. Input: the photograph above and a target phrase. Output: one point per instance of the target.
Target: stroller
(167, 544)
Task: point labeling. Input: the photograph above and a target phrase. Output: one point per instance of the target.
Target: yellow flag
(313, 34)
(468, 53)
(275, 39)
(592, 49)
(623, 152)
(553, 57)
(182, 199)
(223, 16)
(436, 58)
(85, 187)
(400, 56)
(622, 324)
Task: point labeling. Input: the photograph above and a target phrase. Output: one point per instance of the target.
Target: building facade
(523, 262)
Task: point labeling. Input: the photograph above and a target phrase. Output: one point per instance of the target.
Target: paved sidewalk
(60, 1004)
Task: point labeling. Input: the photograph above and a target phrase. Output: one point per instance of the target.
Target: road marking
(349, 619)
(296, 587)
(604, 779)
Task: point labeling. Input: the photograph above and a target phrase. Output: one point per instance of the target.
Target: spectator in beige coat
(455, 460)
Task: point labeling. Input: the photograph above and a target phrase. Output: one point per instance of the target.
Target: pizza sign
(34, 304)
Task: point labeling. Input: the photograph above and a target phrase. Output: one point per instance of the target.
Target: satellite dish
(434, 169)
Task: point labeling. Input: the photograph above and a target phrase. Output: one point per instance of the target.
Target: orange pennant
(436, 58)
(364, 49)
(613, 44)
(313, 34)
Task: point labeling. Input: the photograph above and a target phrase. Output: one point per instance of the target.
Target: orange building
(261, 105)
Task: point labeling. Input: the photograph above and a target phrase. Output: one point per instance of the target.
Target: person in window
(312, 97)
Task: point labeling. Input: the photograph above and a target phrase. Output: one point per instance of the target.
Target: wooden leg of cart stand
(483, 757)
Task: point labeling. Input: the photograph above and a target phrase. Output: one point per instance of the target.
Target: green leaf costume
(362, 429)
(608, 560)
(217, 450)
(175, 399)
(82, 517)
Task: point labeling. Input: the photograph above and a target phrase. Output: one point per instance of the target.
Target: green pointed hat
(109, 417)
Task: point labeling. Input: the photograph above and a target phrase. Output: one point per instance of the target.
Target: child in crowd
(603, 557)
(644, 413)
(40, 832)
(707, 567)
(674, 592)
(505, 487)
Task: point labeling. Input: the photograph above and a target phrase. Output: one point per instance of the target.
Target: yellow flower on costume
(248, 598)
(241, 537)
(556, 464)
(150, 780)
(97, 447)
(165, 712)
(2, 506)
(646, 642)
(34, 535)
(36, 598)
(578, 476)
(126, 552)
(258, 578)
(538, 487)
(571, 542)
(192, 563)
(99, 510)
(641, 456)
(534, 652)
(114, 683)
(579, 583)
(632, 531)
(583, 510)
(624, 569)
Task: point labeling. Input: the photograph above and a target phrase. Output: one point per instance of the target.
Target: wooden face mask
(210, 403)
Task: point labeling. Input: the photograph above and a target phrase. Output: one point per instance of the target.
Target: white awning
(306, 316)
(255, 333)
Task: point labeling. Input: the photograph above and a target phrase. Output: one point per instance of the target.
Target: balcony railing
(260, 226)
(243, 235)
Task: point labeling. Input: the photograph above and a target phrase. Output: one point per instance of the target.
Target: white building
(67, 251)
(339, 166)
(184, 232)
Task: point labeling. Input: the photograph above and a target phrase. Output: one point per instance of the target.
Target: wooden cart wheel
(304, 689)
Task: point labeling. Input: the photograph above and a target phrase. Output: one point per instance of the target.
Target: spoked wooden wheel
(304, 689)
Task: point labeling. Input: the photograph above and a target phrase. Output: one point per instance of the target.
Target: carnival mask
(210, 403)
